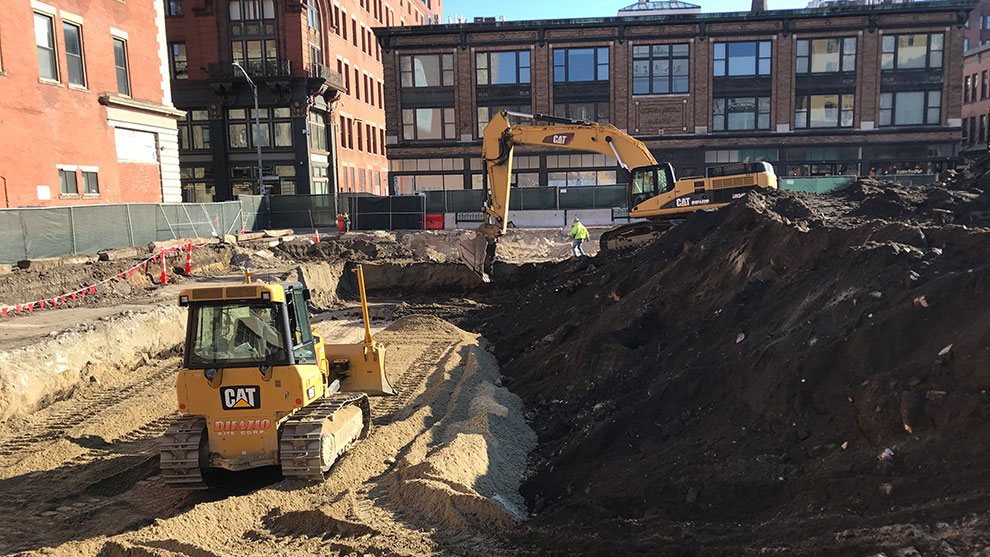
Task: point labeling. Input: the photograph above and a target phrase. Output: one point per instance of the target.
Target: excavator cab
(646, 182)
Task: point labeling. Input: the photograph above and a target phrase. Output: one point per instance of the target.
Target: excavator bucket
(363, 368)
(472, 253)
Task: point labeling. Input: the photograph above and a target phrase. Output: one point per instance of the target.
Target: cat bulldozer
(652, 192)
(258, 388)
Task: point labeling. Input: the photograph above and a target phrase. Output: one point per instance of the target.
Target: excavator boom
(501, 137)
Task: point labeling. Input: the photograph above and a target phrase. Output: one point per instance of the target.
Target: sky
(563, 9)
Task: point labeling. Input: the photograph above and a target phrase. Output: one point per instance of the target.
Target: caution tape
(55, 301)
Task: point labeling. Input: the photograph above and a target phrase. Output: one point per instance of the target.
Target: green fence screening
(31, 233)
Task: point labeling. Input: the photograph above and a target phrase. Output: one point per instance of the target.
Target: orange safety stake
(189, 260)
(164, 274)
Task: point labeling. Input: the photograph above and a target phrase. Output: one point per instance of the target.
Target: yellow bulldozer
(259, 388)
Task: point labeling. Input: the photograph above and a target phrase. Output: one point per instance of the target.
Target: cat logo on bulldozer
(240, 398)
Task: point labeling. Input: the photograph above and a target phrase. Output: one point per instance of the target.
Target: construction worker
(347, 222)
(580, 234)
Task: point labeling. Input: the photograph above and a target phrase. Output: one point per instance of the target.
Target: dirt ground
(794, 374)
(440, 473)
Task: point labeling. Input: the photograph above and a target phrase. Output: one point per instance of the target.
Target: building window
(177, 60)
(972, 93)
(660, 69)
(824, 111)
(426, 70)
(91, 183)
(120, 62)
(741, 113)
(966, 89)
(965, 130)
(983, 128)
(903, 52)
(258, 57)
(251, 9)
(194, 131)
(586, 111)
(44, 36)
(74, 54)
(197, 184)
(826, 55)
(173, 8)
(67, 182)
(742, 58)
(911, 108)
(502, 68)
(983, 85)
(580, 64)
(485, 114)
(428, 123)
(318, 132)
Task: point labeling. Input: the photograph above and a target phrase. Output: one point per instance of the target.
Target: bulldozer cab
(646, 182)
(271, 329)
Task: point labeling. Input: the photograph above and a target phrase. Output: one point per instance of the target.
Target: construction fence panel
(36, 232)
(294, 211)
(462, 201)
(90, 224)
(396, 212)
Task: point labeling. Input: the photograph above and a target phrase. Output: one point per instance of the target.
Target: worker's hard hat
(577, 219)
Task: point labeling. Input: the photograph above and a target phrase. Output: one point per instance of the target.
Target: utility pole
(257, 125)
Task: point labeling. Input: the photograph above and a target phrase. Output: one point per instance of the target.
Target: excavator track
(181, 453)
(634, 234)
(300, 437)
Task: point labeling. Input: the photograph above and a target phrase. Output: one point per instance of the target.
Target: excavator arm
(500, 138)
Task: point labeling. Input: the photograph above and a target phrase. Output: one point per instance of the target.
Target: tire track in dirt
(75, 459)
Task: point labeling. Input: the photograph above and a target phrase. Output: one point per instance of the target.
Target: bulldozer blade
(366, 368)
(472, 253)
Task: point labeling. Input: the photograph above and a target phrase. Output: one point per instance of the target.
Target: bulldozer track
(83, 408)
(406, 385)
(300, 436)
(180, 454)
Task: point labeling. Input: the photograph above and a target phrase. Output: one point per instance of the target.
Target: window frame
(52, 48)
(445, 111)
(85, 183)
(494, 109)
(892, 54)
(806, 125)
(69, 56)
(259, 7)
(63, 185)
(809, 58)
(566, 112)
(125, 67)
(172, 60)
(407, 69)
(565, 65)
(173, 8)
(757, 112)
(892, 110)
(188, 127)
(723, 61)
(651, 58)
(519, 67)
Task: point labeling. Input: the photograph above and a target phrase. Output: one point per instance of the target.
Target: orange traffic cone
(317, 240)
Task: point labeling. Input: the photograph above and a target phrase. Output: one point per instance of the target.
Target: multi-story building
(317, 72)
(850, 89)
(359, 122)
(85, 107)
(976, 102)
(978, 26)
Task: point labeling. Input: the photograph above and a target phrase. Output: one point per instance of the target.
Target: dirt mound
(317, 523)
(355, 246)
(736, 383)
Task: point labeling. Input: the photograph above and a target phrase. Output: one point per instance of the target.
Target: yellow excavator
(259, 388)
(652, 192)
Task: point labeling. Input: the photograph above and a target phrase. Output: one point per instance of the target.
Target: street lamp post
(257, 125)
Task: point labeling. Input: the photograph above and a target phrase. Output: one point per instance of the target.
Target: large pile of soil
(734, 386)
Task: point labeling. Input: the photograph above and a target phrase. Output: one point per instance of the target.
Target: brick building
(843, 90)
(976, 101)
(978, 27)
(318, 75)
(85, 107)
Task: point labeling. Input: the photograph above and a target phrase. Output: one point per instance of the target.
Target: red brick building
(318, 74)
(85, 106)
(848, 89)
(976, 101)
(978, 26)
